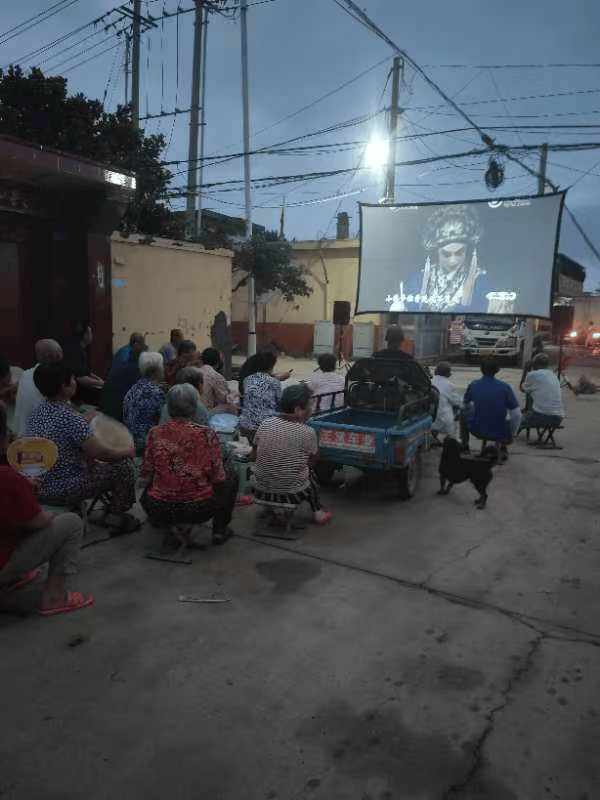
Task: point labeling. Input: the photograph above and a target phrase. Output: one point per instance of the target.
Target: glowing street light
(377, 152)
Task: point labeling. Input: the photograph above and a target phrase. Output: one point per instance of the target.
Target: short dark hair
(50, 378)
(444, 369)
(541, 361)
(394, 335)
(489, 366)
(210, 356)
(186, 346)
(327, 362)
(79, 327)
(297, 396)
(265, 360)
(4, 366)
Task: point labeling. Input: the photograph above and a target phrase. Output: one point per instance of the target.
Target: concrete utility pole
(192, 183)
(246, 115)
(135, 59)
(390, 177)
(202, 116)
(127, 65)
(529, 329)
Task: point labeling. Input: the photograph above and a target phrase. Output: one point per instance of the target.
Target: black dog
(456, 467)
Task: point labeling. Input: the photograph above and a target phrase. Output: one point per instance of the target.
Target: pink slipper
(19, 581)
(244, 500)
(327, 516)
(75, 600)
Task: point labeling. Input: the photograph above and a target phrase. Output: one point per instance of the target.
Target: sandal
(130, 524)
(222, 536)
(327, 516)
(74, 601)
(20, 580)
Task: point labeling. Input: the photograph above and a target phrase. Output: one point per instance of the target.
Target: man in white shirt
(544, 388)
(47, 351)
(449, 401)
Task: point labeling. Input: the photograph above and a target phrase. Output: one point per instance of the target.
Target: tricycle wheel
(410, 477)
(324, 471)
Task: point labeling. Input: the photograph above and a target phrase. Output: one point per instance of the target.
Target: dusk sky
(524, 72)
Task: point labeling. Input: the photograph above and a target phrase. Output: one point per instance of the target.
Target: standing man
(121, 378)
(170, 349)
(47, 351)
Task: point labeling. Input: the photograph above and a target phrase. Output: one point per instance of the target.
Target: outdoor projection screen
(479, 257)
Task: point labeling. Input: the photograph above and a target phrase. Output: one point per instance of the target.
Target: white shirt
(544, 387)
(449, 398)
(28, 399)
(325, 383)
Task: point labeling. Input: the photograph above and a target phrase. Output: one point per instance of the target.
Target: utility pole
(127, 65)
(135, 58)
(542, 174)
(192, 182)
(529, 328)
(390, 177)
(246, 121)
(202, 115)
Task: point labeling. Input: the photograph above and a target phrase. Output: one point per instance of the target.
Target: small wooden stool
(279, 515)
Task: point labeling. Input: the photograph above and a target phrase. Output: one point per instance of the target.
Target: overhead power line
(42, 16)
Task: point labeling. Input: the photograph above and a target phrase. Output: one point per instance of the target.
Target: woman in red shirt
(184, 471)
(29, 536)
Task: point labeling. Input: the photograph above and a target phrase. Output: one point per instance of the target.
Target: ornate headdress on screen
(445, 225)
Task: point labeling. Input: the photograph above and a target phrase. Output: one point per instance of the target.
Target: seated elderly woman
(184, 470)
(30, 537)
(262, 395)
(78, 474)
(143, 402)
(187, 356)
(285, 450)
(193, 376)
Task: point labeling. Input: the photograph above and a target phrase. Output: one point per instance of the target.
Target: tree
(268, 258)
(37, 109)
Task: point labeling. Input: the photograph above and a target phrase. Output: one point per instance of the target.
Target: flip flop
(324, 519)
(75, 601)
(19, 581)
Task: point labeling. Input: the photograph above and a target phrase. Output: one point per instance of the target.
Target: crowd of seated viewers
(167, 399)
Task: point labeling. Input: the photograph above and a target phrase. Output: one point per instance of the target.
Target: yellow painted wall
(159, 286)
(333, 275)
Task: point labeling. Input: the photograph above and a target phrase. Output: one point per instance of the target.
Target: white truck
(501, 336)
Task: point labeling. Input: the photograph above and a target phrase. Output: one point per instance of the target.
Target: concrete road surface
(420, 650)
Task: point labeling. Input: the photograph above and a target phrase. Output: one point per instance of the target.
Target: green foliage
(37, 109)
(268, 258)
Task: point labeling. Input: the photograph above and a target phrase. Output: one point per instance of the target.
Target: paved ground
(411, 651)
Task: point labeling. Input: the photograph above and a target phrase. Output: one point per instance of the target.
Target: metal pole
(202, 119)
(192, 182)
(390, 178)
(528, 343)
(246, 120)
(127, 67)
(135, 63)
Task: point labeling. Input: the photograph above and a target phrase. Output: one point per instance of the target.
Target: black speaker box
(341, 312)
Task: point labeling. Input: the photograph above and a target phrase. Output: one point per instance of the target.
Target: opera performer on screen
(452, 280)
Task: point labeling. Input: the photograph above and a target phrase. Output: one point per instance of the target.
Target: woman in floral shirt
(143, 402)
(262, 395)
(184, 471)
(85, 467)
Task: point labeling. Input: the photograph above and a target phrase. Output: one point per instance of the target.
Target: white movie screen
(481, 257)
